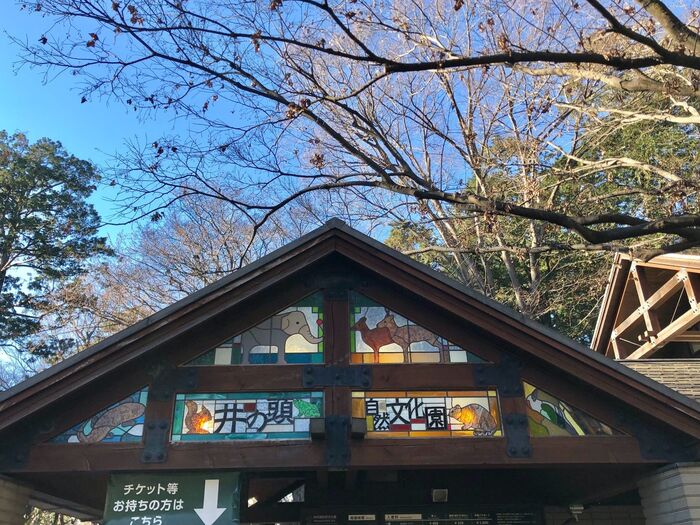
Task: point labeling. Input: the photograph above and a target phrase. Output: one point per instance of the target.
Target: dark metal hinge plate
(155, 441)
(656, 442)
(337, 441)
(167, 381)
(515, 428)
(505, 376)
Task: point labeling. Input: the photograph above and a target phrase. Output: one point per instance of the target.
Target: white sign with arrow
(173, 498)
(210, 510)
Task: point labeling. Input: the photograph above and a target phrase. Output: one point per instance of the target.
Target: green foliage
(562, 289)
(559, 289)
(667, 146)
(407, 236)
(47, 231)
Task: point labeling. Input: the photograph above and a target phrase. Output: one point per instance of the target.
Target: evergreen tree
(47, 231)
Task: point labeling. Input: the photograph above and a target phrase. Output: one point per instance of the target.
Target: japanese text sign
(173, 499)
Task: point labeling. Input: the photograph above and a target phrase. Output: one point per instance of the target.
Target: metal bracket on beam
(14, 452)
(655, 442)
(337, 441)
(505, 376)
(515, 428)
(358, 427)
(15, 448)
(167, 381)
(507, 379)
(324, 376)
(336, 431)
(155, 442)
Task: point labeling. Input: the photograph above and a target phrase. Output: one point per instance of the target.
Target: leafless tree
(191, 245)
(293, 97)
(476, 118)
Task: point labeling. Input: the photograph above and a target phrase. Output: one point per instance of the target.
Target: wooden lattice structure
(651, 309)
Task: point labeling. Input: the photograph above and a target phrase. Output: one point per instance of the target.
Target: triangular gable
(563, 357)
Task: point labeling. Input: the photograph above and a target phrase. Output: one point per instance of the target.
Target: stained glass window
(379, 335)
(428, 414)
(550, 416)
(264, 415)
(122, 421)
(293, 336)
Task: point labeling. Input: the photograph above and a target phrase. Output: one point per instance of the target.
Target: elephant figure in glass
(274, 332)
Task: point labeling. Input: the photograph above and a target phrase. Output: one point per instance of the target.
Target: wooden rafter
(692, 289)
(644, 292)
(691, 336)
(616, 348)
(685, 321)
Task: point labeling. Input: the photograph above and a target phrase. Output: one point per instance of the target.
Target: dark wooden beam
(469, 453)
(277, 495)
(679, 325)
(365, 454)
(279, 513)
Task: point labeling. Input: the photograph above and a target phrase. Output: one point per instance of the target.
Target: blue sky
(52, 109)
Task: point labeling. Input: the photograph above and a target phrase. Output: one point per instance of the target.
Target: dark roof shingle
(682, 375)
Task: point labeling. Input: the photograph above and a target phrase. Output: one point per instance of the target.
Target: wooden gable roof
(650, 309)
(562, 356)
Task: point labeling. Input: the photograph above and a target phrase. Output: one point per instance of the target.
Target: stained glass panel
(550, 416)
(379, 335)
(263, 415)
(428, 414)
(120, 422)
(293, 336)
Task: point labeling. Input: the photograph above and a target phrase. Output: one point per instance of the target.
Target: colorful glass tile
(263, 415)
(380, 335)
(550, 416)
(120, 422)
(429, 414)
(292, 336)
